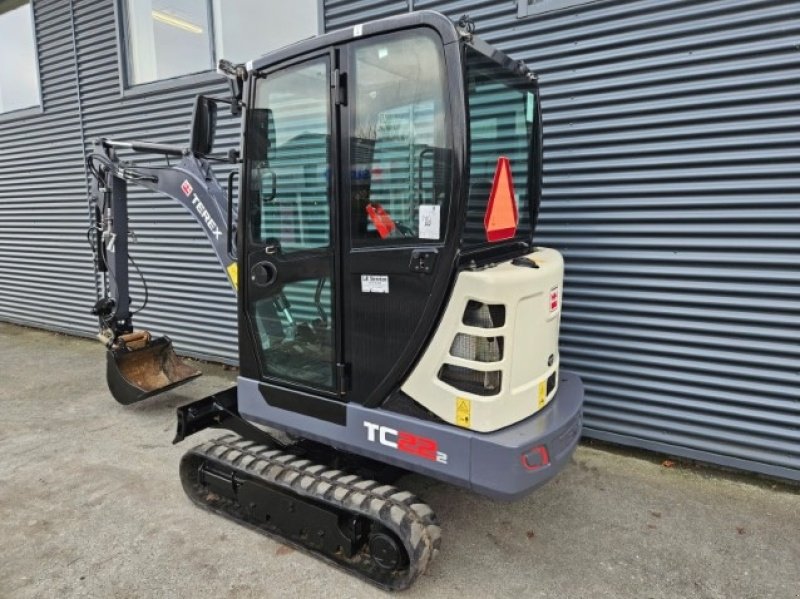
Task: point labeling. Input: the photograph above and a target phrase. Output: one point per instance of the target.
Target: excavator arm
(138, 364)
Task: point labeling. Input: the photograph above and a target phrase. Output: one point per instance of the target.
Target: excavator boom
(139, 365)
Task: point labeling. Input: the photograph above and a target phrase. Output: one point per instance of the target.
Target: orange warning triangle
(501, 216)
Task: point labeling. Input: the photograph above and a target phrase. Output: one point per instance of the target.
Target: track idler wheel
(386, 551)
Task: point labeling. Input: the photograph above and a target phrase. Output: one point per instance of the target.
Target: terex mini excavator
(394, 313)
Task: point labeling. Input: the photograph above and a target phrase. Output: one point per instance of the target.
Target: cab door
(290, 301)
(398, 235)
(351, 228)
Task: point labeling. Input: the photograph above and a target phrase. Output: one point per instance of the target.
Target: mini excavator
(394, 314)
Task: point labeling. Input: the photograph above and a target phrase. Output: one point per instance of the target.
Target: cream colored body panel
(530, 345)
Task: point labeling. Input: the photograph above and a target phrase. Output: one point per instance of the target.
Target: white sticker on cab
(374, 284)
(429, 225)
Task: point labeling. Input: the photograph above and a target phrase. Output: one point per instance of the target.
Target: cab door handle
(423, 261)
(263, 274)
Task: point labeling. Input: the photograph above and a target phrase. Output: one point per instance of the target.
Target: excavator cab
(397, 159)
(393, 308)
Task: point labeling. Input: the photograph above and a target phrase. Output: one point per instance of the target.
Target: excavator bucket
(138, 367)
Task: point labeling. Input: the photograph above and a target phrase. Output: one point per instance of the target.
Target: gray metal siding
(45, 263)
(343, 13)
(671, 185)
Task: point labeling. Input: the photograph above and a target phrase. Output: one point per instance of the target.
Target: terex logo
(201, 210)
(406, 442)
(186, 187)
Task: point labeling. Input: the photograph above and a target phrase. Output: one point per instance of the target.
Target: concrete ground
(91, 506)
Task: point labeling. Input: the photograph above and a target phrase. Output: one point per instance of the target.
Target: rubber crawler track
(401, 512)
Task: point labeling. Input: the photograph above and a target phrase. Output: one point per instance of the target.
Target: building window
(169, 38)
(528, 8)
(19, 76)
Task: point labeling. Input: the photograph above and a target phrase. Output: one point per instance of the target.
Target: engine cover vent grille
(471, 381)
(478, 349)
(485, 316)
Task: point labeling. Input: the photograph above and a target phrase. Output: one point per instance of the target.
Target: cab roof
(425, 18)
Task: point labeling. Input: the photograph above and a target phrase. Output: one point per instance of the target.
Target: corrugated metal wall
(45, 262)
(671, 185)
(672, 180)
(342, 13)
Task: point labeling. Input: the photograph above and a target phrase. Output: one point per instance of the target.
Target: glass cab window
(288, 158)
(501, 114)
(289, 199)
(400, 148)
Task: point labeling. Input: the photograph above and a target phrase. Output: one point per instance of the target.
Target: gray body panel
(488, 463)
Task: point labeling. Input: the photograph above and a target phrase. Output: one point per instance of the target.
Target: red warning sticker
(554, 299)
(501, 218)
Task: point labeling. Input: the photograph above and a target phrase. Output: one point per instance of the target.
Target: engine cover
(493, 361)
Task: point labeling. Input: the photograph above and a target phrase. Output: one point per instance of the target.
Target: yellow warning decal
(463, 409)
(233, 274)
(542, 396)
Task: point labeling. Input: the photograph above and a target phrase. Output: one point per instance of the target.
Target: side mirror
(204, 121)
(235, 87)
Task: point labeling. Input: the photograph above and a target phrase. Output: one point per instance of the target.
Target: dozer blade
(140, 367)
